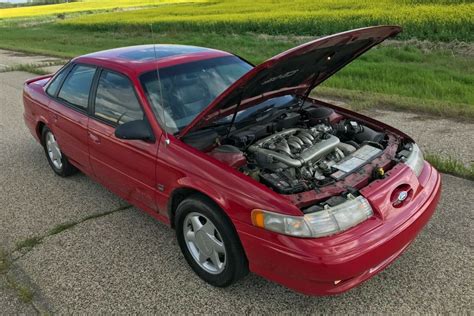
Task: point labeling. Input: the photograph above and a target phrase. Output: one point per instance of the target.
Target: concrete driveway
(69, 245)
(11, 59)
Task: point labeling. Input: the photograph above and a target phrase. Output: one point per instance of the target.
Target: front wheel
(57, 160)
(209, 242)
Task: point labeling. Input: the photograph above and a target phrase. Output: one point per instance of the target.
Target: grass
(29, 243)
(361, 100)
(451, 166)
(401, 76)
(433, 80)
(32, 242)
(4, 263)
(433, 20)
(24, 293)
(61, 227)
(31, 68)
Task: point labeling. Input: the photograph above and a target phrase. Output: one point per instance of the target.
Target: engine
(297, 156)
(294, 147)
(300, 159)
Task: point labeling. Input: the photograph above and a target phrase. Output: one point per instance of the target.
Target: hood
(296, 71)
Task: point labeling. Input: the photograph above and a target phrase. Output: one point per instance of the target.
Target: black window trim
(69, 104)
(93, 94)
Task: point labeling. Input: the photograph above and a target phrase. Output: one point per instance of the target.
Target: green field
(433, 73)
(433, 20)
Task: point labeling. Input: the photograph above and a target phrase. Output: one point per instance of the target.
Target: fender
(207, 189)
(41, 119)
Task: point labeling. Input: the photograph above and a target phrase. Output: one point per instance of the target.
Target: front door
(126, 167)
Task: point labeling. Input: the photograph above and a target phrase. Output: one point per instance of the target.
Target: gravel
(435, 135)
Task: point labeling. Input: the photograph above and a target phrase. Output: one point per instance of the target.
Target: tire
(226, 241)
(57, 160)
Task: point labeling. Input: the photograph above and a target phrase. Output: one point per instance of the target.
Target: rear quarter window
(56, 81)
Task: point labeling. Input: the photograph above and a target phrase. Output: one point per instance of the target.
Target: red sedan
(251, 172)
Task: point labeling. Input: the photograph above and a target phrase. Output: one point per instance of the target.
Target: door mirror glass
(135, 130)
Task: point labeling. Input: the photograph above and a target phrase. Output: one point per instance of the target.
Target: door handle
(94, 138)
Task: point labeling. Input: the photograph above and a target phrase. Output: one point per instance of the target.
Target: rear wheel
(57, 160)
(209, 242)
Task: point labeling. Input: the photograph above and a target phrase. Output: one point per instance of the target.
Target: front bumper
(334, 264)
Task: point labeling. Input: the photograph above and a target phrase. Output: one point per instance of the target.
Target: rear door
(127, 167)
(70, 92)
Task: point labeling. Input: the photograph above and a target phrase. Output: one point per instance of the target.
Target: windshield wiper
(216, 124)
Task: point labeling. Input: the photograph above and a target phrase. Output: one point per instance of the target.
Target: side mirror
(135, 130)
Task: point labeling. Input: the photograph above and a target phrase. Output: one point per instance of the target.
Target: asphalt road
(126, 262)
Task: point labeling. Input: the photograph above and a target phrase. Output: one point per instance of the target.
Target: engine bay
(310, 153)
(297, 159)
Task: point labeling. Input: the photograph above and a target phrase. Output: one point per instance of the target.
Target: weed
(24, 293)
(61, 227)
(31, 68)
(451, 166)
(29, 243)
(4, 262)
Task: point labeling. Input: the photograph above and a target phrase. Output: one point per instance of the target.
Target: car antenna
(160, 88)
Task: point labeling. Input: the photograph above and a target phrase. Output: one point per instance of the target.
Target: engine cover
(293, 147)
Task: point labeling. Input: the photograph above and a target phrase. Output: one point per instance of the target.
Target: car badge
(402, 196)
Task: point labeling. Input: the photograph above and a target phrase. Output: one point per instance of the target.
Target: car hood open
(296, 71)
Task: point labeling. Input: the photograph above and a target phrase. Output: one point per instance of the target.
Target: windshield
(189, 88)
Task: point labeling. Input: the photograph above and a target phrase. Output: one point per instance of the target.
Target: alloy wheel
(204, 242)
(54, 152)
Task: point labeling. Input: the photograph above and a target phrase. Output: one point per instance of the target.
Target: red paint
(311, 266)
(148, 173)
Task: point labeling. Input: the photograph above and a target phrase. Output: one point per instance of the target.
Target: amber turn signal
(258, 218)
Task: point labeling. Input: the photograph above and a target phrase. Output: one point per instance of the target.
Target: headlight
(415, 160)
(284, 224)
(331, 220)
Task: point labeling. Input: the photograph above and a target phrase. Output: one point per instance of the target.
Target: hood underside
(296, 71)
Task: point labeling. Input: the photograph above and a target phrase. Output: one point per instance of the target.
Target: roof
(146, 57)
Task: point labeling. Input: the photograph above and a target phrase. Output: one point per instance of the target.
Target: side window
(76, 87)
(56, 81)
(115, 99)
